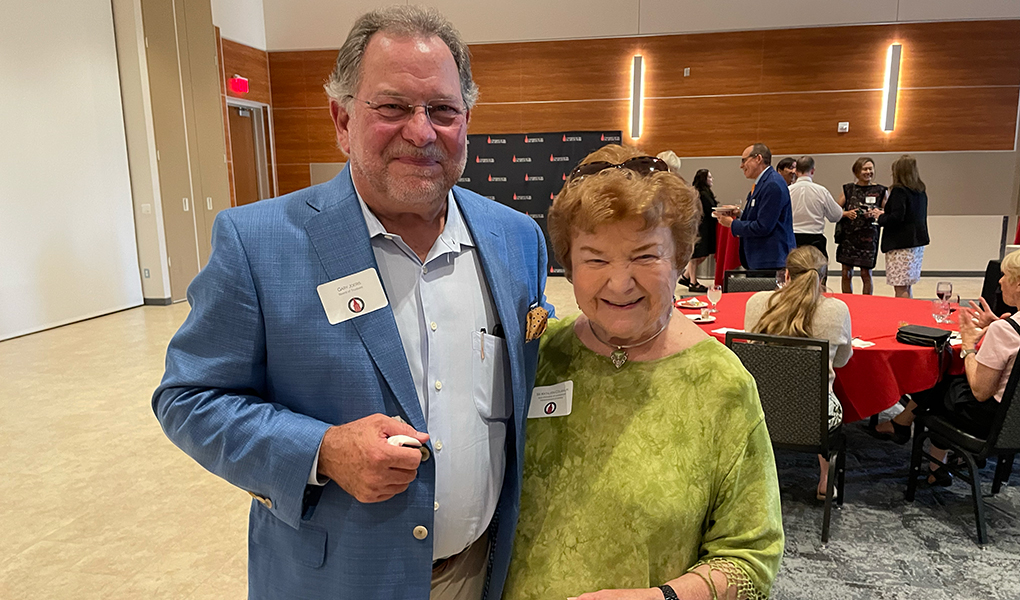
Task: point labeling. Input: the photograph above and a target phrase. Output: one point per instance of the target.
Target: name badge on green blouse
(551, 400)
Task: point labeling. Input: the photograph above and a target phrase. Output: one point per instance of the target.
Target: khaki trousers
(462, 576)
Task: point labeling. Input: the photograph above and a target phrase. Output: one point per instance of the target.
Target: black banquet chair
(1003, 442)
(792, 375)
(739, 280)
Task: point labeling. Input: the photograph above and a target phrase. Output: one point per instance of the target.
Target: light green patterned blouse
(660, 466)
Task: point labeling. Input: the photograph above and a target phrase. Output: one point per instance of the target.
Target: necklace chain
(620, 356)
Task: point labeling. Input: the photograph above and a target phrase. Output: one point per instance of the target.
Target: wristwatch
(965, 351)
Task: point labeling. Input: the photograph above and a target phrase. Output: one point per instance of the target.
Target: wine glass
(780, 278)
(714, 296)
(940, 310)
(943, 290)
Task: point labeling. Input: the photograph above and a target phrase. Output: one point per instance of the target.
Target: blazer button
(425, 454)
(420, 533)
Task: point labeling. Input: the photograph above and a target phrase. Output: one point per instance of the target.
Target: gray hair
(408, 21)
(763, 151)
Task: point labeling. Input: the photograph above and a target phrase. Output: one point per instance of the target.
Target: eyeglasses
(441, 113)
(744, 159)
(642, 165)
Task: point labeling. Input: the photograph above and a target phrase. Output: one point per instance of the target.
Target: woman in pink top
(965, 399)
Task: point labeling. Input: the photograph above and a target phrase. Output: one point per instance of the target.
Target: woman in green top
(652, 476)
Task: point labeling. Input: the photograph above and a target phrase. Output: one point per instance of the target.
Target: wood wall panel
(291, 135)
(322, 145)
(251, 63)
(700, 126)
(788, 88)
(293, 177)
(720, 63)
(970, 53)
(947, 119)
(825, 59)
(497, 72)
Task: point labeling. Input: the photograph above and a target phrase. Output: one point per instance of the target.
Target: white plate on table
(691, 303)
(699, 320)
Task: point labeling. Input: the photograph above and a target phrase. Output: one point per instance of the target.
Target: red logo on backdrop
(550, 408)
(551, 197)
(564, 177)
(564, 137)
(356, 305)
(488, 140)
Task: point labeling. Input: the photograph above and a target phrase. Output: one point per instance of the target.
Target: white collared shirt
(812, 204)
(440, 307)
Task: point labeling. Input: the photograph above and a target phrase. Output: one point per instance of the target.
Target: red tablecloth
(876, 376)
(727, 252)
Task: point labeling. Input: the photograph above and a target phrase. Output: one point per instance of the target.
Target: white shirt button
(389, 237)
(425, 270)
(439, 385)
(435, 506)
(420, 533)
(438, 444)
(433, 325)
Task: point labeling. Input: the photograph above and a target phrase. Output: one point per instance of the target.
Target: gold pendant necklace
(619, 356)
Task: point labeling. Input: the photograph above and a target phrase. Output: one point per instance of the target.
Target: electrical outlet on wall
(687, 71)
(843, 127)
(145, 272)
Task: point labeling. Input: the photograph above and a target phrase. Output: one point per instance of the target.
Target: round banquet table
(875, 377)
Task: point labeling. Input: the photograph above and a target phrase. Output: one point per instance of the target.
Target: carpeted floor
(881, 546)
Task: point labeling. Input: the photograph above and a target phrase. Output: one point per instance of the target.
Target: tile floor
(95, 501)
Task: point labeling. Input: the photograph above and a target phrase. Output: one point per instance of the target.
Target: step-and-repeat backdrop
(525, 171)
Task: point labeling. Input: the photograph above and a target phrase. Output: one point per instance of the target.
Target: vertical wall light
(637, 94)
(891, 86)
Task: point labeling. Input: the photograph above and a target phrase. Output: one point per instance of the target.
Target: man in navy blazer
(384, 303)
(765, 227)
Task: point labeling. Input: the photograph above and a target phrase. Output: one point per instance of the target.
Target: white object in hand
(403, 440)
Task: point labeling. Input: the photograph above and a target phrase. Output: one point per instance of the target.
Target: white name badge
(752, 202)
(551, 400)
(871, 200)
(352, 296)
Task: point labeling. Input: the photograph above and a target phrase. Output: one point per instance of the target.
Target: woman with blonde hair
(800, 309)
(648, 470)
(905, 223)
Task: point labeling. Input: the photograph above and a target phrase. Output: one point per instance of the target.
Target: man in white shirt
(812, 204)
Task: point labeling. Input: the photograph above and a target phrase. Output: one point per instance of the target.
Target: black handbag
(839, 236)
(919, 335)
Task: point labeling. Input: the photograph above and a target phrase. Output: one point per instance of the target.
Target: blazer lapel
(340, 238)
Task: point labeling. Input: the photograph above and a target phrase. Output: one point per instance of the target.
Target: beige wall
(317, 24)
(241, 21)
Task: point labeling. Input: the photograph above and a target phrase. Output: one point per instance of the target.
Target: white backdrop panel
(67, 241)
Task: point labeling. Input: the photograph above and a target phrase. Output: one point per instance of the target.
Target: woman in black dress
(705, 246)
(857, 231)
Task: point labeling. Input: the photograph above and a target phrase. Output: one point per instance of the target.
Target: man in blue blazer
(765, 227)
(334, 320)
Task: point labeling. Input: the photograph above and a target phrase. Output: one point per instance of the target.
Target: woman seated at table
(964, 399)
(657, 471)
(800, 310)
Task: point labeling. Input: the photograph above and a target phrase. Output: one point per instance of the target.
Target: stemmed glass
(943, 290)
(780, 278)
(714, 296)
